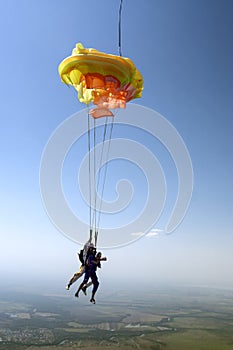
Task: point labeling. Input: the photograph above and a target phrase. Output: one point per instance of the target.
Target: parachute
(106, 80)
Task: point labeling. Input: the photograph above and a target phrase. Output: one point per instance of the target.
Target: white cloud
(154, 232)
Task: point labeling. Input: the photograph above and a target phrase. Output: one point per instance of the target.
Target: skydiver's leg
(85, 280)
(72, 280)
(95, 286)
(84, 288)
(76, 276)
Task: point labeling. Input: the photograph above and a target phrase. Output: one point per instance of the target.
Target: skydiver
(82, 257)
(88, 284)
(92, 263)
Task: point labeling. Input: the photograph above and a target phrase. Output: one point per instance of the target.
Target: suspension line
(105, 173)
(119, 28)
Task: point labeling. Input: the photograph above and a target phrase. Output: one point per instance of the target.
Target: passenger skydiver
(82, 257)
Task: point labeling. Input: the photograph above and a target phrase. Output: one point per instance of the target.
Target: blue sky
(184, 51)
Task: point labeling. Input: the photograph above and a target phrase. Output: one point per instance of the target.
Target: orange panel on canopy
(108, 81)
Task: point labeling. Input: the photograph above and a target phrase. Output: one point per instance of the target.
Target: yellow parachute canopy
(108, 81)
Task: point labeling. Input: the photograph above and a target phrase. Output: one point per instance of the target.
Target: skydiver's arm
(97, 260)
(103, 259)
(86, 245)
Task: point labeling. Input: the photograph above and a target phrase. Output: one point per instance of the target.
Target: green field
(169, 319)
